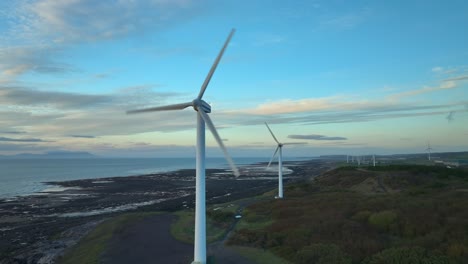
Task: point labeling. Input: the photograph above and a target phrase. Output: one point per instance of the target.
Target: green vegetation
(183, 228)
(412, 214)
(259, 256)
(90, 248)
(217, 224)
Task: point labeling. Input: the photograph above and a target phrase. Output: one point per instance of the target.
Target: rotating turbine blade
(162, 108)
(212, 128)
(272, 157)
(215, 64)
(272, 133)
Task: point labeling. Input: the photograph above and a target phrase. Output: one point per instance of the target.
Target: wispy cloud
(457, 78)
(82, 136)
(36, 31)
(5, 139)
(88, 20)
(267, 39)
(12, 132)
(346, 20)
(316, 137)
(130, 97)
(445, 85)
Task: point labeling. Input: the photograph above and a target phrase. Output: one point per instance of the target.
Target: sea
(19, 177)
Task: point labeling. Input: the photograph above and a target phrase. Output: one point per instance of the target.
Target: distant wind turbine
(280, 161)
(428, 151)
(373, 159)
(202, 108)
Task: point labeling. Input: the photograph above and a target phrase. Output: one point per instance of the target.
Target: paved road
(148, 241)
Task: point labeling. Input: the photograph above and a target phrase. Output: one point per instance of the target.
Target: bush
(321, 254)
(382, 220)
(362, 216)
(414, 255)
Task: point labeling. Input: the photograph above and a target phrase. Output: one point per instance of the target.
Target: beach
(30, 225)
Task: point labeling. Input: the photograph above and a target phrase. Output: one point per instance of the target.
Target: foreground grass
(91, 247)
(259, 256)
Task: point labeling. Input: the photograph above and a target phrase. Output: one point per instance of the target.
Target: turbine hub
(200, 104)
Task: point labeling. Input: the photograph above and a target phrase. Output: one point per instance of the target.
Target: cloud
(437, 69)
(406, 139)
(88, 20)
(136, 96)
(345, 21)
(12, 132)
(82, 136)
(316, 137)
(35, 32)
(458, 78)
(17, 60)
(341, 112)
(267, 39)
(61, 100)
(5, 139)
(292, 106)
(445, 85)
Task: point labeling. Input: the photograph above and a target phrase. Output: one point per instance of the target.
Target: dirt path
(226, 255)
(148, 241)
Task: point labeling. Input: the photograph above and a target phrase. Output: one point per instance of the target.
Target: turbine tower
(202, 108)
(373, 159)
(428, 151)
(280, 162)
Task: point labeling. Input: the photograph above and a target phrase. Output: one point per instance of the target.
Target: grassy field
(259, 256)
(391, 214)
(90, 248)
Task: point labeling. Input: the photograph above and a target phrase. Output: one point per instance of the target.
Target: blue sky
(340, 77)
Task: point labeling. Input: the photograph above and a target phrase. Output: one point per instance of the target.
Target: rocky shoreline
(39, 227)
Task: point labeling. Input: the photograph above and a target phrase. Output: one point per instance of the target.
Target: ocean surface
(26, 176)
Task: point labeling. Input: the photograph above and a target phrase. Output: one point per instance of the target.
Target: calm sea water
(26, 176)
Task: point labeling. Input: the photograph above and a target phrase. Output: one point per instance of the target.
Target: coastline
(31, 224)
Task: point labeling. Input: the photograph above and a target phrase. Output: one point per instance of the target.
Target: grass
(259, 256)
(183, 228)
(91, 247)
(340, 213)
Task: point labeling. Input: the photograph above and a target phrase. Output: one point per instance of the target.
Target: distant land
(51, 155)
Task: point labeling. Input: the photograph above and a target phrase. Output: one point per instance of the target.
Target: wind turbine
(280, 162)
(429, 150)
(373, 159)
(202, 108)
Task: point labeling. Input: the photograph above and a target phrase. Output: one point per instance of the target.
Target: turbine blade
(162, 108)
(215, 64)
(272, 157)
(212, 128)
(272, 133)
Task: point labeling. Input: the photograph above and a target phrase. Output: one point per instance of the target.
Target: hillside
(389, 214)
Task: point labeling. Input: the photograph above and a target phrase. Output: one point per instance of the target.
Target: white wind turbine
(202, 108)
(429, 150)
(280, 162)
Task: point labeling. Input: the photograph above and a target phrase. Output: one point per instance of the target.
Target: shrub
(321, 254)
(383, 219)
(412, 255)
(362, 216)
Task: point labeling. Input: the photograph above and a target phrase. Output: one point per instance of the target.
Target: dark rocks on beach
(37, 228)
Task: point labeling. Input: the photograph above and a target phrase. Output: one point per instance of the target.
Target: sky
(333, 77)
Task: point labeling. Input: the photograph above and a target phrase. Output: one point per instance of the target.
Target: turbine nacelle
(200, 104)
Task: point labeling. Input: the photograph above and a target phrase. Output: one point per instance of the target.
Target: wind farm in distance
(313, 132)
